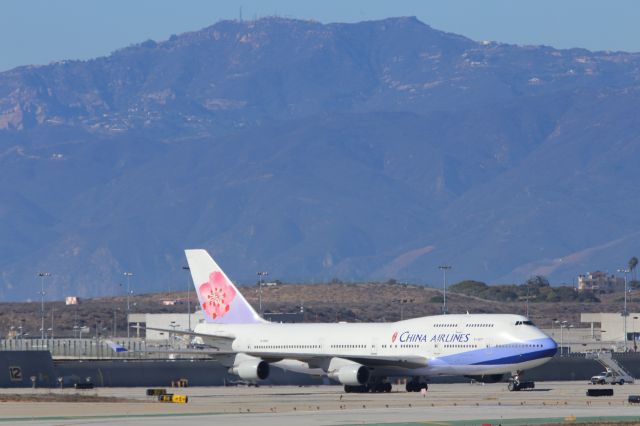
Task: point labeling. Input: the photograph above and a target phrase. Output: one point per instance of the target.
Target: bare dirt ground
(451, 404)
(330, 302)
(55, 397)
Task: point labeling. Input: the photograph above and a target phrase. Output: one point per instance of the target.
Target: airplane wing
(409, 362)
(222, 346)
(317, 360)
(219, 342)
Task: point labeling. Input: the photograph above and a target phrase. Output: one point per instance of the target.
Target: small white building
(178, 322)
(612, 326)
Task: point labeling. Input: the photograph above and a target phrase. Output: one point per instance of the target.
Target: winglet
(219, 298)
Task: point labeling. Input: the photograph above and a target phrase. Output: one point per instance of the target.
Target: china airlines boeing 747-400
(363, 356)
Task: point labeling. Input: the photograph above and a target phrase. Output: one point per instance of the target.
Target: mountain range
(365, 151)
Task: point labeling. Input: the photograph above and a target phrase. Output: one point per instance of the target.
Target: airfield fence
(89, 348)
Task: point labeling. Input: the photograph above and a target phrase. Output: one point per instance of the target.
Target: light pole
(635, 344)
(563, 325)
(624, 311)
(527, 309)
(173, 327)
(52, 311)
(128, 275)
(75, 321)
(186, 268)
(260, 277)
(42, 276)
(114, 322)
(402, 302)
(444, 269)
(23, 333)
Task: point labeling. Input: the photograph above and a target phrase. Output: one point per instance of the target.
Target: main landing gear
(415, 385)
(516, 384)
(374, 387)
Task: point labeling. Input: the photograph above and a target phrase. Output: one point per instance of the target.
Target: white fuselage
(472, 344)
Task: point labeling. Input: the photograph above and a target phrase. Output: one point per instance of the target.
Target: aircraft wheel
(387, 387)
(355, 389)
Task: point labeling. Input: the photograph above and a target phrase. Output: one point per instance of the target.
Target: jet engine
(251, 369)
(351, 374)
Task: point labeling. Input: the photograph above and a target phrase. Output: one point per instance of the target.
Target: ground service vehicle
(607, 377)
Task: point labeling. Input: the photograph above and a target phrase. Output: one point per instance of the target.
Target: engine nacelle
(487, 378)
(353, 375)
(252, 369)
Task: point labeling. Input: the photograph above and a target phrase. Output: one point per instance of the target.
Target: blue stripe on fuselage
(523, 357)
(507, 354)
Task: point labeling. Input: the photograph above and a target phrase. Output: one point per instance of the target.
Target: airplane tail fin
(220, 300)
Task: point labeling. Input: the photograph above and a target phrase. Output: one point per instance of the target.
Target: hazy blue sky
(41, 31)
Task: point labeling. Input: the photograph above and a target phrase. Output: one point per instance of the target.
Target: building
(612, 327)
(175, 321)
(603, 331)
(600, 282)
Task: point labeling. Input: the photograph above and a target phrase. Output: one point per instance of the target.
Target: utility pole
(186, 268)
(75, 322)
(624, 310)
(444, 269)
(527, 314)
(114, 322)
(562, 326)
(128, 275)
(260, 276)
(402, 302)
(42, 276)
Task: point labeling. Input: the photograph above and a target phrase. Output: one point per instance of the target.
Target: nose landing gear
(515, 384)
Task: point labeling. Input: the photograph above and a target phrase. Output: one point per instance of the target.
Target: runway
(454, 404)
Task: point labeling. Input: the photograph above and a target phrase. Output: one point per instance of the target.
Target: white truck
(609, 377)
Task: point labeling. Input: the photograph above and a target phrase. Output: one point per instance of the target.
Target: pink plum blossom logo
(394, 337)
(217, 294)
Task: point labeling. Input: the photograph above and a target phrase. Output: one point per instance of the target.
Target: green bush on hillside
(537, 289)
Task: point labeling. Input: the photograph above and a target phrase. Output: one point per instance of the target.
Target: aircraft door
(437, 349)
(374, 346)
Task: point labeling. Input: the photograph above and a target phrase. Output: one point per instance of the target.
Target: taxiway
(327, 405)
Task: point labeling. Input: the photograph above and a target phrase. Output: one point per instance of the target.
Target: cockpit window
(524, 323)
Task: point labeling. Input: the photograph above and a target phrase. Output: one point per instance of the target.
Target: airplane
(363, 356)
